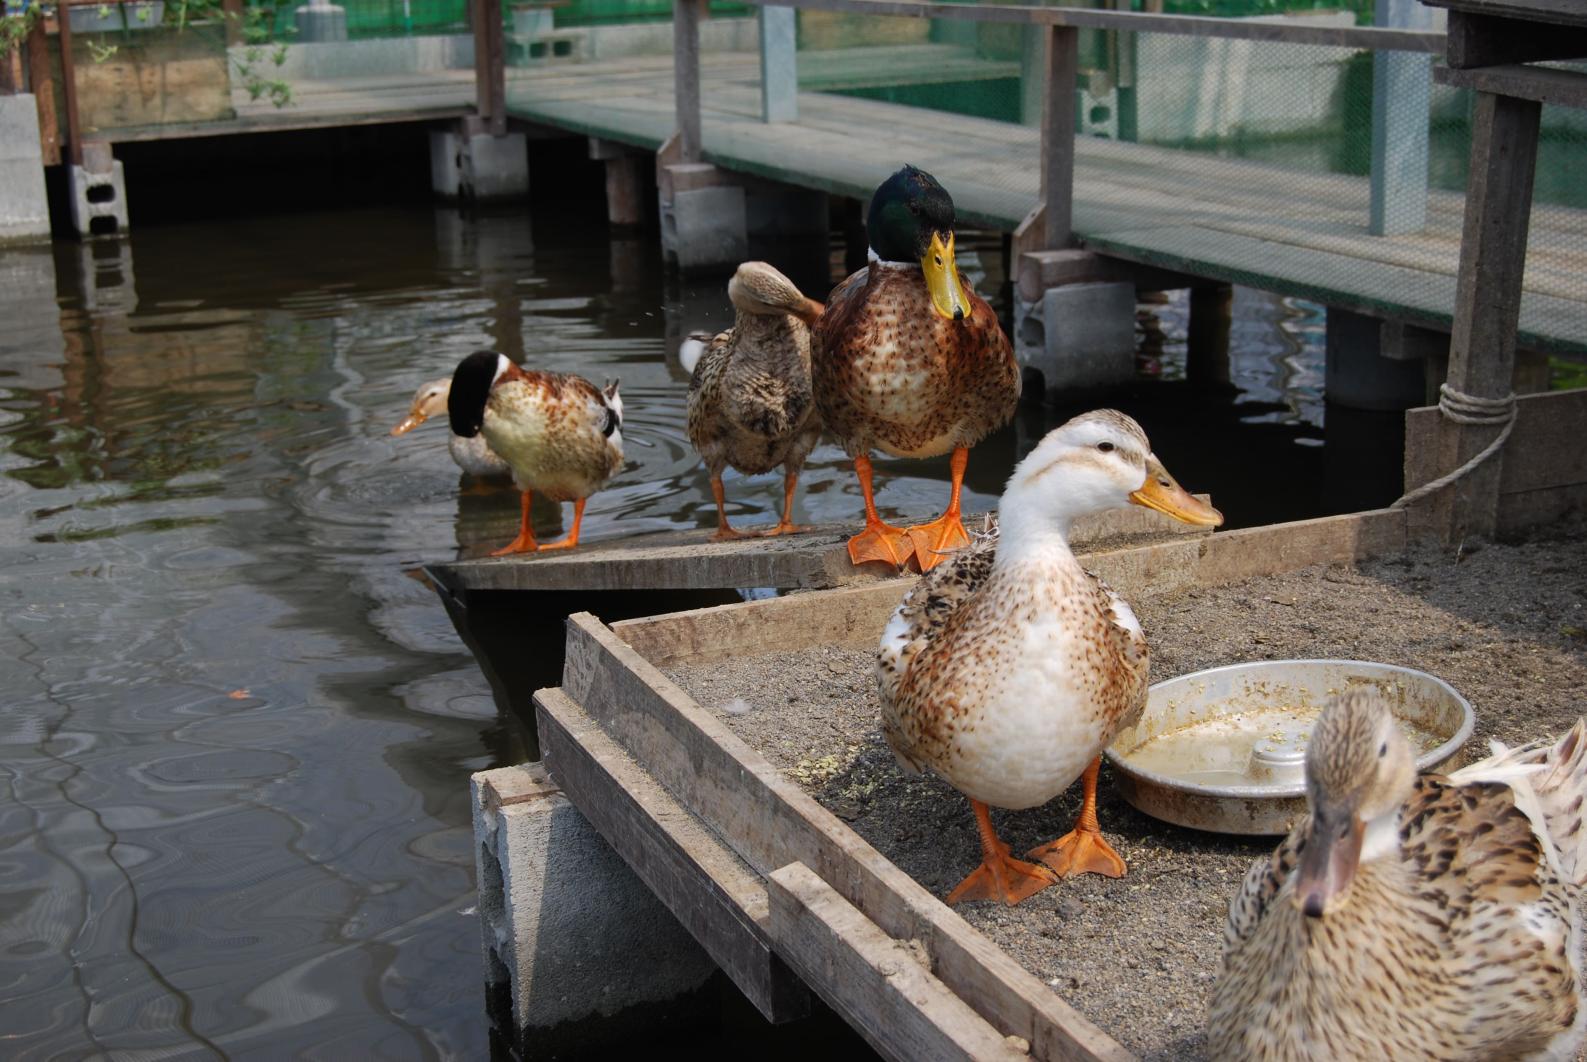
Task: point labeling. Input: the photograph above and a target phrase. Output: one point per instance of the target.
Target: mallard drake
(909, 360)
(1412, 917)
(749, 396)
(1009, 668)
(560, 434)
(474, 456)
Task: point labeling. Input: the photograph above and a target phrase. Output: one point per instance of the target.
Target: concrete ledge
(24, 209)
(1080, 337)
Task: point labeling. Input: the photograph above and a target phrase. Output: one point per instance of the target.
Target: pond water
(237, 731)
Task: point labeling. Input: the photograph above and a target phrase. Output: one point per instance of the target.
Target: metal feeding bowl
(1225, 749)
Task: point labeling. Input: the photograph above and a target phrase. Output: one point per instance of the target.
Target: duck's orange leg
(525, 542)
(1082, 850)
(572, 537)
(945, 534)
(999, 877)
(879, 541)
(786, 526)
(724, 531)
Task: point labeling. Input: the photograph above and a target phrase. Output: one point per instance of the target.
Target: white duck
(1009, 667)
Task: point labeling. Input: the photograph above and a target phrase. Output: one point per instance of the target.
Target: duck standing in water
(750, 404)
(474, 456)
(560, 434)
(1009, 668)
(1412, 917)
(909, 360)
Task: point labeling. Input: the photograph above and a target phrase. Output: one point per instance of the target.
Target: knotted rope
(1467, 409)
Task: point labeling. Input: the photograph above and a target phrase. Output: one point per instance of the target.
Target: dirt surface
(1505, 625)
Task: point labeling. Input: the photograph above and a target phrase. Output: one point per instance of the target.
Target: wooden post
(686, 15)
(779, 65)
(41, 82)
(1402, 85)
(1488, 299)
(1207, 344)
(1058, 135)
(490, 65)
(232, 11)
(74, 130)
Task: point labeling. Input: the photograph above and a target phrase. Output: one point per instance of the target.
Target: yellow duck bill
(1163, 493)
(413, 420)
(942, 279)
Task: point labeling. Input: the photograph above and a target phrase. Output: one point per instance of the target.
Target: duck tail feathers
(1549, 780)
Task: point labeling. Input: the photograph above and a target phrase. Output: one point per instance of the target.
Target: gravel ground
(1505, 625)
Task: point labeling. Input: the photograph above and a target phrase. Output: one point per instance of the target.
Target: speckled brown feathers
(1463, 944)
(893, 374)
(559, 432)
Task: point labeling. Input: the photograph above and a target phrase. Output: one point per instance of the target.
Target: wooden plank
(1488, 299)
(1478, 40)
(1566, 88)
(490, 64)
(74, 126)
(769, 821)
(1060, 69)
(1139, 22)
(719, 900)
(41, 82)
(1559, 11)
(686, 16)
(876, 983)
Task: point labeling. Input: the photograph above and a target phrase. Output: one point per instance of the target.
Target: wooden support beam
(1487, 40)
(1488, 298)
(1567, 88)
(686, 16)
(41, 82)
(490, 65)
(779, 65)
(74, 134)
(720, 901)
(881, 988)
(1058, 136)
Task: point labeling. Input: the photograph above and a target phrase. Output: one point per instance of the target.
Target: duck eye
(1105, 447)
(1383, 750)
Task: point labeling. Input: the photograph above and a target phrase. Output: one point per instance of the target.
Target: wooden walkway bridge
(1278, 229)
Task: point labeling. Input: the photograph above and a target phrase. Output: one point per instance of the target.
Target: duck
(750, 402)
(909, 360)
(1008, 668)
(559, 433)
(1412, 917)
(474, 456)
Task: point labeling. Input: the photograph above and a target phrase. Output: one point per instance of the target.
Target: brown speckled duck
(910, 361)
(1413, 917)
(750, 404)
(1009, 668)
(560, 434)
(473, 456)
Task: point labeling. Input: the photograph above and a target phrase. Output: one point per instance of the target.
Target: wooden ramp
(689, 560)
(1283, 230)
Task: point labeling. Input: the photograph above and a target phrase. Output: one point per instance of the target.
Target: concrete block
(24, 209)
(478, 166)
(578, 952)
(98, 199)
(1357, 373)
(319, 22)
(705, 229)
(1080, 337)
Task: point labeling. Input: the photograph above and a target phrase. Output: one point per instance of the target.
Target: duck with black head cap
(909, 360)
(560, 434)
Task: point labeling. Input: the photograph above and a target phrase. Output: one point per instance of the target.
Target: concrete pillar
(98, 192)
(779, 69)
(1078, 333)
(625, 182)
(24, 210)
(704, 218)
(318, 20)
(1364, 373)
(579, 954)
(466, 162)
(1402, 85)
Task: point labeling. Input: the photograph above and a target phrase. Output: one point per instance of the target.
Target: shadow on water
(239, 734)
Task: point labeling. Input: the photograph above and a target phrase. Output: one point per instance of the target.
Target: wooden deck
(1282, 230)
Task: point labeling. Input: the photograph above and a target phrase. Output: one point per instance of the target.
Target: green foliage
(260, 48)
(16, 24)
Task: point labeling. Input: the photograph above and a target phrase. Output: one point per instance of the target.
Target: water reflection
(236, 746)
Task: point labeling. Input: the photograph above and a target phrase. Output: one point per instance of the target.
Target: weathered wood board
(864, 935)
(815, 559)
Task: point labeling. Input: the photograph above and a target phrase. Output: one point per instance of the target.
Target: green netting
(397, 18)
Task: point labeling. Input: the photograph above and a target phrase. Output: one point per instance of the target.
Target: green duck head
(911, 220)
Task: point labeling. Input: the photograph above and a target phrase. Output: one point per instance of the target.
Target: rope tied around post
(1467, 409)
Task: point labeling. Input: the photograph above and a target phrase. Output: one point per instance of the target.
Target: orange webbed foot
(783, 529)
(724, 533)
(1080, 851)
(881, 542)
(1003, 878)
(933, 542)
(561, 543)
(521, 544)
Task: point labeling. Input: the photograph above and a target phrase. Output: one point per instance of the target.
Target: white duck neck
(1028, 533)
